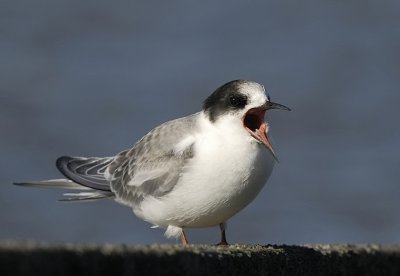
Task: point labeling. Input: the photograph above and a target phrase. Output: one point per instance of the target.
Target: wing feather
(89, 172)
(153, 166)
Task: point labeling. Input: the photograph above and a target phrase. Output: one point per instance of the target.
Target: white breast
(228, 171)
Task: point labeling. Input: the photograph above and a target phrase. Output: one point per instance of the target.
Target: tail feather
(86, 196)
(89, 194)
(53, 183)
(87, 174)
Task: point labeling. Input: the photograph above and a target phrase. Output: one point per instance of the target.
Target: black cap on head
(226, 98)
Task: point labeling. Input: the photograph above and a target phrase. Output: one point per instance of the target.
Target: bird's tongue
(261, 135)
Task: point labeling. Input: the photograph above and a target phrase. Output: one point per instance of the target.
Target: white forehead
(255, 93)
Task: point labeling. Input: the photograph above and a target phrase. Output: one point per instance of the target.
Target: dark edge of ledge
(32, 258)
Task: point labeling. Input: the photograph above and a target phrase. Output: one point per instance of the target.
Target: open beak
(255, 124)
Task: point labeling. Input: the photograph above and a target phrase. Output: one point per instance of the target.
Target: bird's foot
(184, 240)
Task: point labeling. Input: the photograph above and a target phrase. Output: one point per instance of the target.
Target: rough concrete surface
(30, 258)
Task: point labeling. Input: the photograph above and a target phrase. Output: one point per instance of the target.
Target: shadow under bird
(192, 172)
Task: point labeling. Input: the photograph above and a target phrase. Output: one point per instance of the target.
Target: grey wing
(153, 166)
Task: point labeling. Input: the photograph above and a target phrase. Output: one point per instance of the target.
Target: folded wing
(153, 166)
(88, 172)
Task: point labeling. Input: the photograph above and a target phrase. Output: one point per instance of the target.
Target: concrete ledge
(30, 258)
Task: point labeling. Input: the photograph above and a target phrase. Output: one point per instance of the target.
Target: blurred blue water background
(89, 78)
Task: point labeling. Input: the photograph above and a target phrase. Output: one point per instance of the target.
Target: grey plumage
(152, 167)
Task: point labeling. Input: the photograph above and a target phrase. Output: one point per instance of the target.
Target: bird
(192, 172)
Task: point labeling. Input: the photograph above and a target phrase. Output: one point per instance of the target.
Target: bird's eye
(237, 101)
(268, 97)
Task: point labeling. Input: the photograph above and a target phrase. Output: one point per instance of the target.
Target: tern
(193, 172)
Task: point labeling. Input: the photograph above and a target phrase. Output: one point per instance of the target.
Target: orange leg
(223, 241)
(183, 238)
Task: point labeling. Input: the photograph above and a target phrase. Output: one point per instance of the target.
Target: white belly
(223, 178)
(220, 190)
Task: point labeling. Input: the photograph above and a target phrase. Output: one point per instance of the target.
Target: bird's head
(246, 101)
